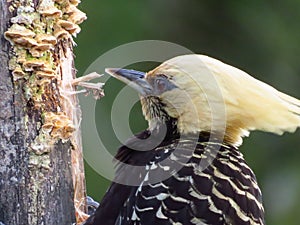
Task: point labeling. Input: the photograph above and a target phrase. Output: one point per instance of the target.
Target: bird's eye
(160, 85)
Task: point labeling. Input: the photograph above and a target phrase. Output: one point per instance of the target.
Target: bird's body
(193, 173)
(224, 193)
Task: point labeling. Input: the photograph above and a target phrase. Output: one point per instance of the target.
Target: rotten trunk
(41, 166)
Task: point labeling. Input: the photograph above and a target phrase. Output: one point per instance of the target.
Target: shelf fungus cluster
(58, 125)
(34, 34)
(35, 31)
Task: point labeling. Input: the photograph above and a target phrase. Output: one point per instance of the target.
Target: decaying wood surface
(41, 164)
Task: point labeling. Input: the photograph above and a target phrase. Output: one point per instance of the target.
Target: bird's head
(178, 88)
(204, 94)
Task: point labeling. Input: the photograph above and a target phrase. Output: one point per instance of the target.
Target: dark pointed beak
(133, 78)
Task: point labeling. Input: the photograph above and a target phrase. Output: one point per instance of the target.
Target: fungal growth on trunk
(42, 65)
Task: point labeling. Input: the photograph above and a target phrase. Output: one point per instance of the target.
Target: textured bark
(36, 179)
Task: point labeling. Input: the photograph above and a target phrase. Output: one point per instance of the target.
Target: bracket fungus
(17, 31)
(58, 125)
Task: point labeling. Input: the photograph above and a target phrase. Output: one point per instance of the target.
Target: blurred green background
(260, 37)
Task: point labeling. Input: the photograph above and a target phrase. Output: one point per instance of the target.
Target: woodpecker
(186, 167)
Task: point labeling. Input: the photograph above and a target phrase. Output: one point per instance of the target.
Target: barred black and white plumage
(193, 174)
(226, 192)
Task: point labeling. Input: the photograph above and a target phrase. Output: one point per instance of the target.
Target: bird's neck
(164, 127)
(167, 127)
(161, 124)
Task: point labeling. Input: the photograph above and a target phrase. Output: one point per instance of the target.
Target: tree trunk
(41, 166)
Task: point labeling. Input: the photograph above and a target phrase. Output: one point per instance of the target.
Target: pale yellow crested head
(214, 96)
(205, 94)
